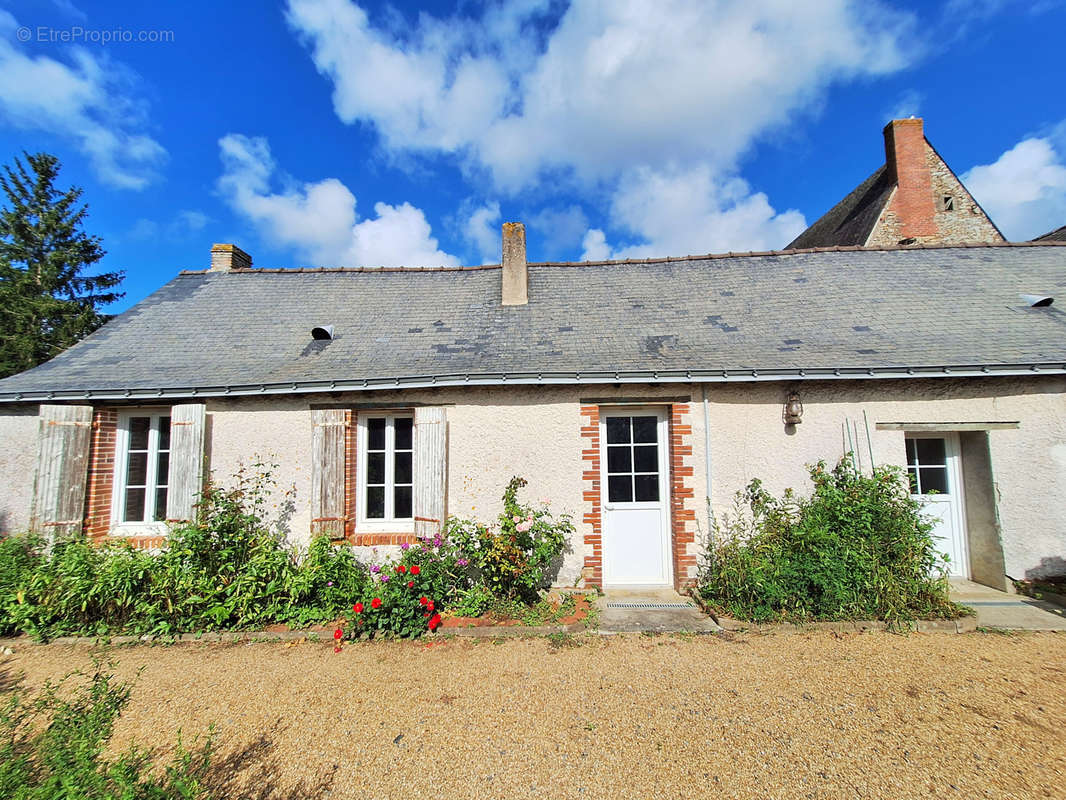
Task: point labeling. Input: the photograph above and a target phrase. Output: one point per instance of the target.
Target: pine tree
(47, 303)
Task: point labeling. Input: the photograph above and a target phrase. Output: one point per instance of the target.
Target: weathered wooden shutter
(62, 467)
(327, 472)
(186, 475)
(431, 470)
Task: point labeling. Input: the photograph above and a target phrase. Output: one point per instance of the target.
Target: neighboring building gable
(914, 198)
(1057, 235)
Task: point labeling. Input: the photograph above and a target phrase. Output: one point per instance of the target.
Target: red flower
(410, 584)
(423, 601)
(358, 608)
(429, 606)
(415, 569)
(336, 649)
(375, 603)
(401, 569)
(337, 634)
(434, 622)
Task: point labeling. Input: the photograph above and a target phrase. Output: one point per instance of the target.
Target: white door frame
(953, 456)
(663, 440)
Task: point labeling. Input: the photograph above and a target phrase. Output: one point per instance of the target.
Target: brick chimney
(227, 257)
(515, 274)
(905, 156)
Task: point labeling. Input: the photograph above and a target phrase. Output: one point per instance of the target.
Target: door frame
(662, 428)
(953, 456)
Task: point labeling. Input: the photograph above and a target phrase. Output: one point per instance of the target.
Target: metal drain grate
(652, 606)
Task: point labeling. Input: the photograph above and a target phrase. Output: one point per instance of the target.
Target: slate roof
(1057, 235)
(856, 312)
(852, 220)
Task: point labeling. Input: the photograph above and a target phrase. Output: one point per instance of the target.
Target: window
(141, 468)
(947, 202)
(386, 471)
(632, 459)
(927, 465)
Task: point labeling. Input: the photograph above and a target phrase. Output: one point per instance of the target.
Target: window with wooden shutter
(185, 477)
(327, 472)
(431, 470)
(62, 466)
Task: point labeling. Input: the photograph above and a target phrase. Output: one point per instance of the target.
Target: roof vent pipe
(515, 274)
(1037, 300)
(322, 332)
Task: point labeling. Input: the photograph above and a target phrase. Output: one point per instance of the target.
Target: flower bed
(567, 612)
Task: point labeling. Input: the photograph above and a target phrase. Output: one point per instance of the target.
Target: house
(913, 198)
(637, 395)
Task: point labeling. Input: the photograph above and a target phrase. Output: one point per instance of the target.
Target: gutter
(541, 379)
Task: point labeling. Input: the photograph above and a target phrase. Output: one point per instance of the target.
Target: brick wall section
(590, 455)
(682, 518)
(912, 203)
(98, 487)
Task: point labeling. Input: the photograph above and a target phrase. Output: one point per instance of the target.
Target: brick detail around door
(682, 518)
(101, 476)
(592, 573)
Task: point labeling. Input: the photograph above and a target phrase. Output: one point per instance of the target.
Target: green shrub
(20, 557)
(858, 548)
(516, 558)
(53, 747)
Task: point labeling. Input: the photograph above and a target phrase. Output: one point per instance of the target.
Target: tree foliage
(47, 301)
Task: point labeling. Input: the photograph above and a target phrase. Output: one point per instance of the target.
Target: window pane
(617, 430)
(934, 479)
(930, 451)
(402, 468)
(375, 429)
(645, 429)
(164, 433)
(911, 454)
(912, 474)
(137, 470)
(402, 502)
(134, 505)
(646, 458)
(375, 468)
(620, 489)
(139, 432)
(647, 488)
(618, 459)
(403, 426)
(375, 502)
(161, 503)
(162, 468)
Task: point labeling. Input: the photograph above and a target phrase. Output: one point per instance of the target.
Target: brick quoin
(682, 519)
(905, 156)
(590, 430)
(100, 480)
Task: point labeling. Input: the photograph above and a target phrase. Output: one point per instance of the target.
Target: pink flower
(517, 518)
(524, 526)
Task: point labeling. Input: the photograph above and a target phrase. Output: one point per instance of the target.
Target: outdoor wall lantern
(793, 411)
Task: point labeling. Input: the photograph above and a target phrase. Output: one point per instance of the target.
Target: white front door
(936, 480)
(635, 501)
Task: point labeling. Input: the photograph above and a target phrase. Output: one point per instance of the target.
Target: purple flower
(462, 562)
(436, 542)
(329, 583)
(375, 568)
(383, 578)
(404, 546)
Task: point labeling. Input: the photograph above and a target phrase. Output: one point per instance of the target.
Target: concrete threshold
(651, 610)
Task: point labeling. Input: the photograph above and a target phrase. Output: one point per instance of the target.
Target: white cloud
(481, 227)
(594, 246)
(318, 221)
(184, 224)
(616, 85)
(562, 228)
(86, 100)
(691, 211)
(1024, 190)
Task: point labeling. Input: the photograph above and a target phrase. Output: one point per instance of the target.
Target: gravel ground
(806, 715)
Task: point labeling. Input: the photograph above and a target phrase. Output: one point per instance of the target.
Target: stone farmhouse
(637, 395)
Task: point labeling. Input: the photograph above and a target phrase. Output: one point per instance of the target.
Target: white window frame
(120, 527)
(388, 524)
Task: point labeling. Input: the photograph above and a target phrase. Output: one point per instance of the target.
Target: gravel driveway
(818, 715)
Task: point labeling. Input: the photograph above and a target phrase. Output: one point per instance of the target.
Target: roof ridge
(656, 260)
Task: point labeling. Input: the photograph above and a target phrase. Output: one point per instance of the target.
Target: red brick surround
(590, 430)
(351, 492)
(100, 480)
(682, 519)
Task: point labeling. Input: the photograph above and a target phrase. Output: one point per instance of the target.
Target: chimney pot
(515, 273)
(228, 257)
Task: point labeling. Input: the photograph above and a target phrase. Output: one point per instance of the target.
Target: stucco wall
(18, 456)
(534, 432)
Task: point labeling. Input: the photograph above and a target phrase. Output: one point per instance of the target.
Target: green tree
(47, 302)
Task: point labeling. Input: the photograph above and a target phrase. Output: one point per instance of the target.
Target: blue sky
(331, 132)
